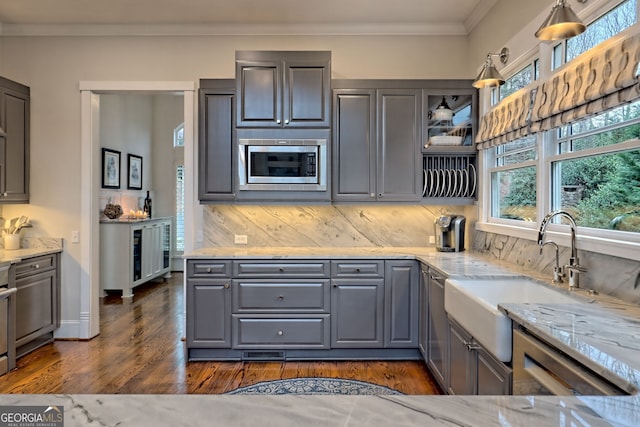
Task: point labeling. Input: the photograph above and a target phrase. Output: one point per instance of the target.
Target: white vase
(11, 241)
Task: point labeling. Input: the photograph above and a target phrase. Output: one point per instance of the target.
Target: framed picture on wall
(110, 168)
(134, 181)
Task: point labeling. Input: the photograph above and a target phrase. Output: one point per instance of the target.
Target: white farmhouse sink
(474, 305)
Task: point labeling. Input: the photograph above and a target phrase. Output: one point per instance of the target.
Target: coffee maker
(450, 233)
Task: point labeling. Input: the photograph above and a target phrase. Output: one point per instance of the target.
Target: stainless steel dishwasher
(7, 321)
(539, 369)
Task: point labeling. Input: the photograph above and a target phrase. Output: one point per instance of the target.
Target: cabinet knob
(36, 266)
(281, 269)
(358, 270)
(278, 121)
(226, 286)
(208, 269)
(280, 333)
(286, 122)
(281, 297)
(335, 286)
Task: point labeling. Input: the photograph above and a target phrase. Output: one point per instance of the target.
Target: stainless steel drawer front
(279, 269)
(279, 296)
(281, 332)
(357, 269)
(540, 369)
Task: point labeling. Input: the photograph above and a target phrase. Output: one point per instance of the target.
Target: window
(517, 81)
(596, 171)
(513, 180)
(178, 136)
(608, 25)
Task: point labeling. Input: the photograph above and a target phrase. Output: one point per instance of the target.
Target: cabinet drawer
(357, 268)
(208, 268)
(35, 265)
(299, 269)
(281, 332)
(281, 296)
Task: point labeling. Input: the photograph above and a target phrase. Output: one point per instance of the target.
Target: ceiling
(437, 17)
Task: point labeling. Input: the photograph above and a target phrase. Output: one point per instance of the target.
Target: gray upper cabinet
(279, 89)
(14, 142)
(216, 140)
(376, 138)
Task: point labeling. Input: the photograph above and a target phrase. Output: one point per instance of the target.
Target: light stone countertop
(31, 247)
(329, 411)
(600, 331)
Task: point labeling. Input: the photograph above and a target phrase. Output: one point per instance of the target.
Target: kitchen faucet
(574, 267)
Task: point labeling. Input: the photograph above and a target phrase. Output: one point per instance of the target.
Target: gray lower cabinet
(37, 301)
(438, 330)
(267, 309)
(472, 370)
(208, 304)
(216, 144)
(376, 142)
(401, 303)
(423, 312)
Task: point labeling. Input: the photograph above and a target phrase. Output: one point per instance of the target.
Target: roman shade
(599, 79)
(509, 120)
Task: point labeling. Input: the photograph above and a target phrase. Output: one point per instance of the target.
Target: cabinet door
(357, 313)
(354, 142)
(208, 313)
(438, 323)
(423, 312)
(493, 378)
(216, 143)
(306, 94)
(259, 86)
(14, 186)
(461, 361)
(401, 304)
(399, 160)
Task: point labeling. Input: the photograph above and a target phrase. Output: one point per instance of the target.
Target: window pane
(601, 191)
(605, 27)
(514, 194)
(517, 151)
(517, 81)
(556, 59)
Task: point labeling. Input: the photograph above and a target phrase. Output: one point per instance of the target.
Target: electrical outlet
(75, 236)
(432, 240)
(240, 239)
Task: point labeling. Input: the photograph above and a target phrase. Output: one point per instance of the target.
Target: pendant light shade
(489, 75)
(562, 23)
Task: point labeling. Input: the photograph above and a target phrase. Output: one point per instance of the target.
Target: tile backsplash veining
(614, 276)
(324, 225)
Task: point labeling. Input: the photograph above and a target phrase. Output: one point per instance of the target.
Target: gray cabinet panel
(208, 313)
(399, 130)
(254, 295)
(423, 312)
(216, 141)
(355, 269)
(401, 303)
(354, 144)
(14, 142)
(493, 377)
(357, 313)
(208, 268)
(260, 85)
(281, 332)
(438, 324)
(461, 361)
(307, 88)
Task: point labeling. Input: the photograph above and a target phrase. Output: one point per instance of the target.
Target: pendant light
(562, 23)
(489, 75)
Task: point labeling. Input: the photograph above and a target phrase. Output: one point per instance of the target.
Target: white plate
(472, 178)
(465, 174)
(424, 186)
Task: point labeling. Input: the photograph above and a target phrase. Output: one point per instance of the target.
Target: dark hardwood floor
(140, 351)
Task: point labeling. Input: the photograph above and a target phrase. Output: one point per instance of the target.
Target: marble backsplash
(325, 225)
(618, 277)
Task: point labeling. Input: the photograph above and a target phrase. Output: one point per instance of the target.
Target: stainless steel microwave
(282, 164)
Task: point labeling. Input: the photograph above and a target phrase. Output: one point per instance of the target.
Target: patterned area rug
(315, 386)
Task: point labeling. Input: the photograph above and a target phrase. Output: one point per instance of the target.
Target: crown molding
(342, 29)
(479, 12)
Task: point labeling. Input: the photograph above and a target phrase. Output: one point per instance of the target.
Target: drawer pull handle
(280, 333)
(226, 286)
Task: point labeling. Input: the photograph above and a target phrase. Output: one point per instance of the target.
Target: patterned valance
(509, 120)
(601, 78)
